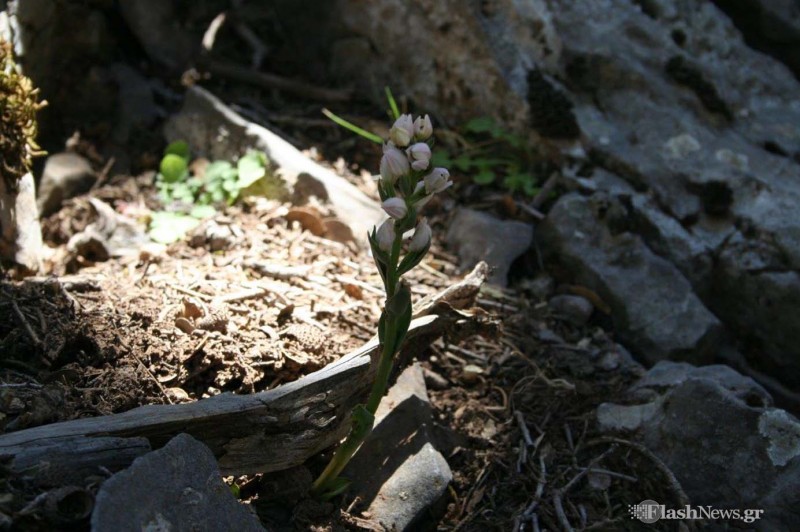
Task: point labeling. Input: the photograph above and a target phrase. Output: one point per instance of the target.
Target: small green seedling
(192, 198)
(492, 155)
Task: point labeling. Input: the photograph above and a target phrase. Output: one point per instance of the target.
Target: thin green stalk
(381, 380)
(392, 103)
(352, 127)
(356, 437)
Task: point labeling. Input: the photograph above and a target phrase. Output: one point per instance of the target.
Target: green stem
(356, 437)
(340, 459)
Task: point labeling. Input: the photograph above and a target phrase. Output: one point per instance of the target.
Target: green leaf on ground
(169, 227)
(173, 168)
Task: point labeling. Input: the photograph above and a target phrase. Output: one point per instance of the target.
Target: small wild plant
(407, 181)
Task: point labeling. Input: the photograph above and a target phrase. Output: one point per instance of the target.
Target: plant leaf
(352, 127)
(173, 168)
(251, 168)
(482, 124)
(169, 227)
(202, 211)
(484, 177)
(392, 103)
(179, 148)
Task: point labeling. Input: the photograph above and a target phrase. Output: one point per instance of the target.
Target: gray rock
(716, 155)
(477, 236)
(574, 309)
(667, 374)
(489, 51)
(176, 488)
(398, 473)
(160, 28)
(20, 232)
(724, 452)
(215, 131)
(65, 176)
(653, 305)
(136, 106)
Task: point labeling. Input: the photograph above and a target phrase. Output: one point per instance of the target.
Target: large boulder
(715, 429)
(652, 303)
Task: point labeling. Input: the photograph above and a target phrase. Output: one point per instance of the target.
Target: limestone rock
(477, 236)
(177, 488)
(65, 176)
(398, 473)
(716, 431)
(653, 305)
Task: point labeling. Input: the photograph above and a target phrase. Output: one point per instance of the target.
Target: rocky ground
(634, 338)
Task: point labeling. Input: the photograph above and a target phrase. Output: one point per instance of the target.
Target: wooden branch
(272, 81)
(268, 431)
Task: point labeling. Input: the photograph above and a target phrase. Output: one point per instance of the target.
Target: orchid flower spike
(394, 163)
(386, 235)
(437, 181)
(420, 155)
(421, 238)
(395, 207)
(423, 128)
(402, 131)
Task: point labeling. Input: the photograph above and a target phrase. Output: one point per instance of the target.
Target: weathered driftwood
(53, 464)
(268, 431)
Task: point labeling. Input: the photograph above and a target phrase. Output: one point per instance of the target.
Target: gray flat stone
(398, 473)
(176, 488)
(477, 236)
(653, 306)
(725, 450)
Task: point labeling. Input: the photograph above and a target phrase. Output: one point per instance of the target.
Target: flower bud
(385, 235)
(421, 238)
(423, 127)
(437, 180)
(395, 207)
(394, 163)
(420, 155)
(402, 131)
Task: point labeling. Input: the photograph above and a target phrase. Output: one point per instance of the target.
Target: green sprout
(492, 155)
(408, 181)
(222, 183)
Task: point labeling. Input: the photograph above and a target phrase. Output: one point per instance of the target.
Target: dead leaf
(308, 218)
(338, 231)
(353, 291)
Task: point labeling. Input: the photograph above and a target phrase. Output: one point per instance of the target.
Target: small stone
(573, 309)
(471, 373)
(599, 481)
(610, 361)
(541, 287)
(477, 236)
(398, 484)
(549, 337)
(65, 176)
(178, 395)
(435, 381)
